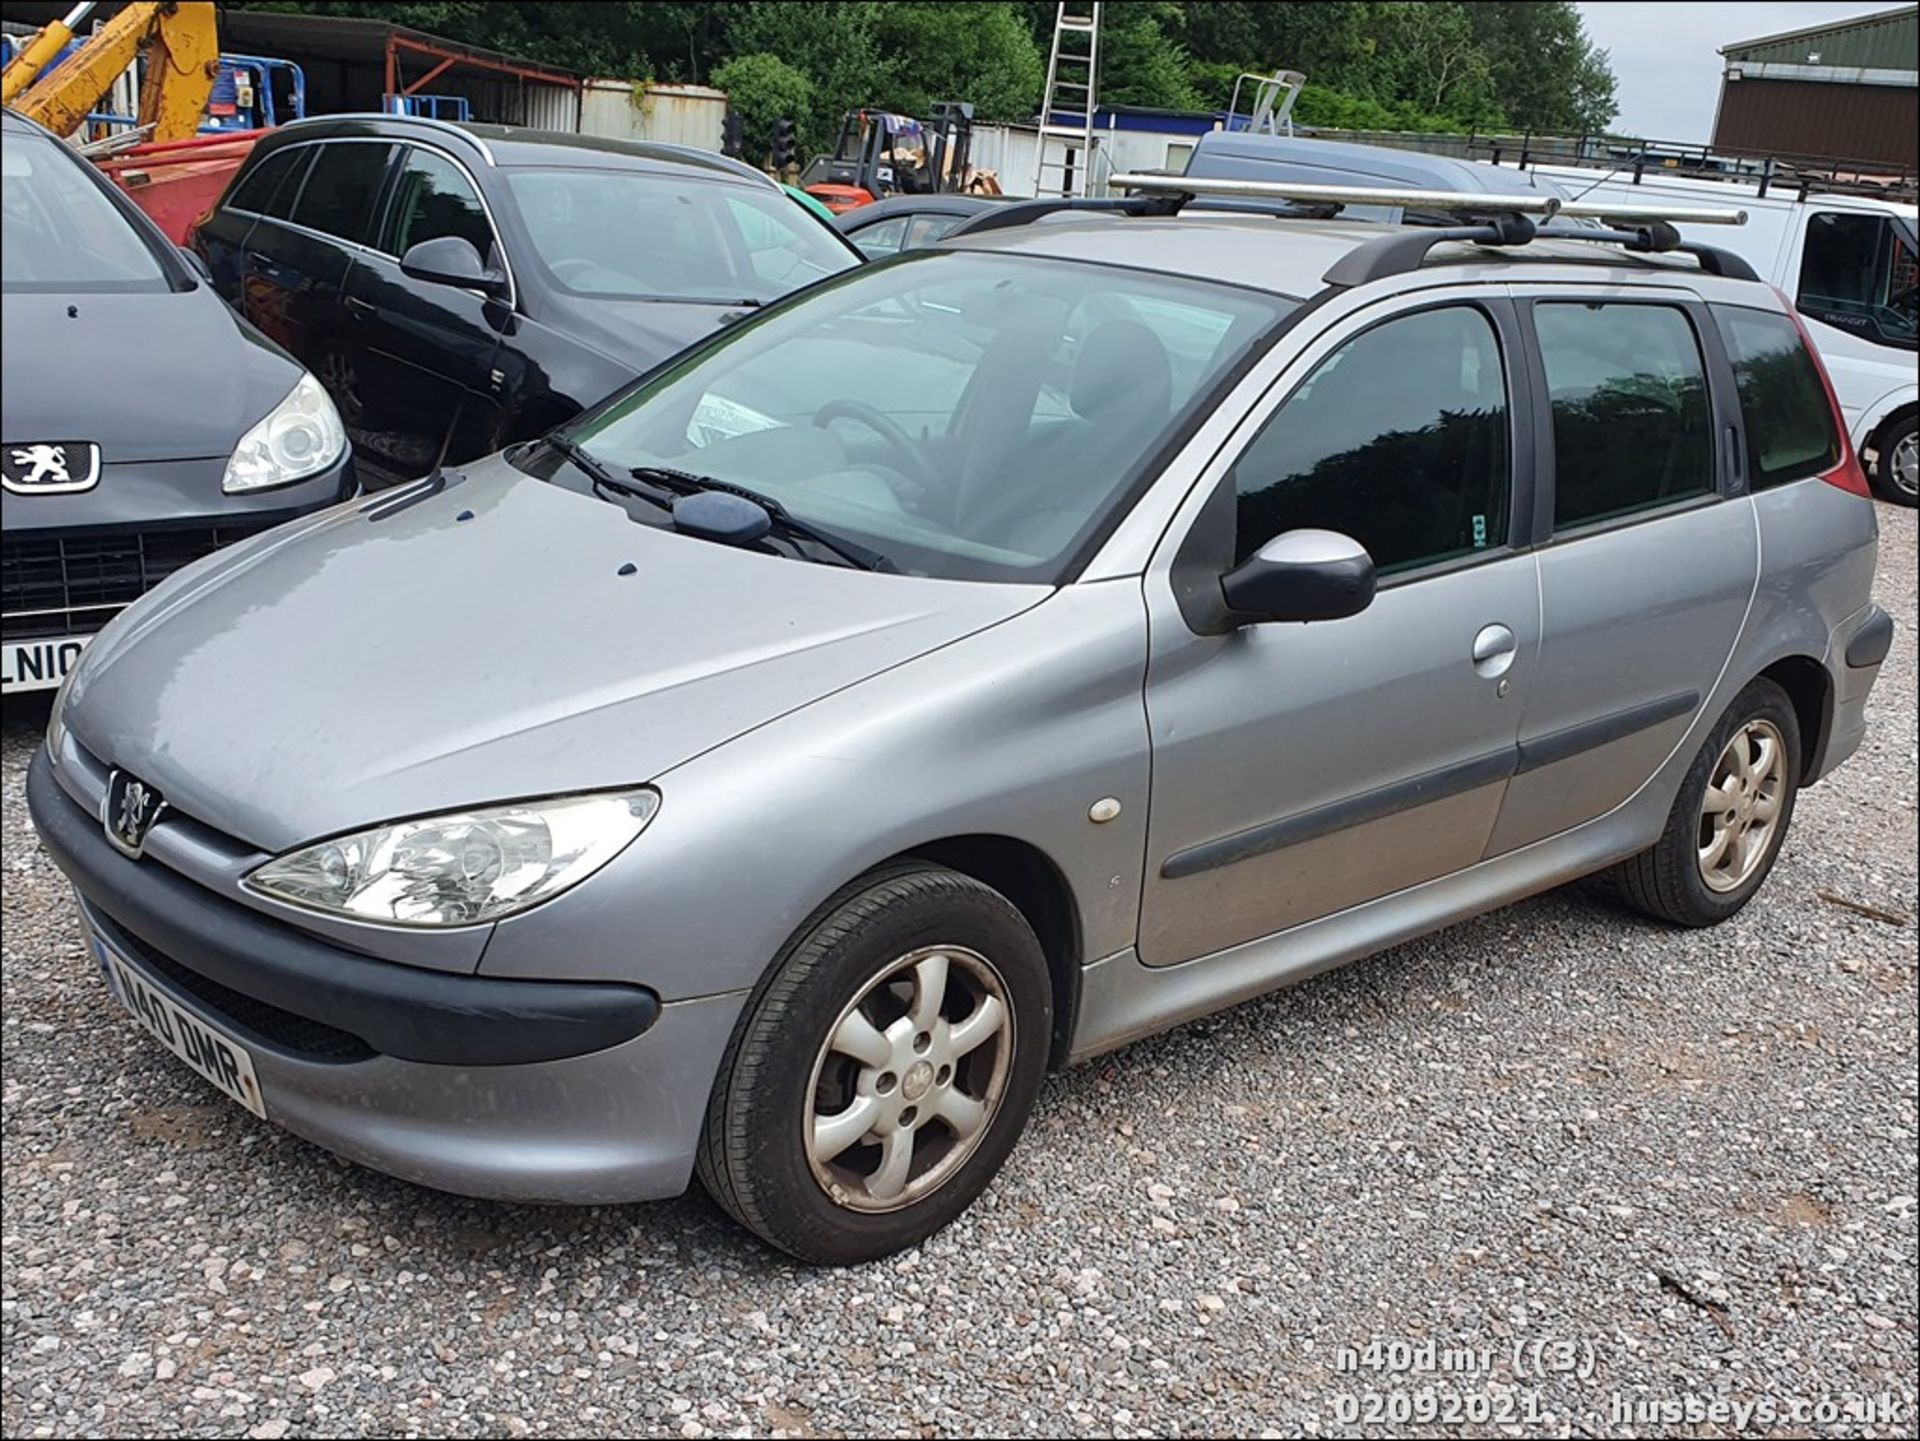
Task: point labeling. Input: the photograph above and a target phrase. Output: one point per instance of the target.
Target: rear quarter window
(1783, 405)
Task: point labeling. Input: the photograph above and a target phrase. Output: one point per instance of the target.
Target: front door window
(1858, 275)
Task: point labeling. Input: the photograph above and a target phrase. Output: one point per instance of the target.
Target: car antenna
(436, 476)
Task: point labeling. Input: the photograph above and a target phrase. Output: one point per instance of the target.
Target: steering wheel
(914, 464)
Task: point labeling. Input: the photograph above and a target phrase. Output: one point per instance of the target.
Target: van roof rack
(1635, 158)
(1496, 220)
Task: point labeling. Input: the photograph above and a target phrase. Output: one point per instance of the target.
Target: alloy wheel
(1740, 813)
(339, 379)
(909, 1079)
(1905, 463)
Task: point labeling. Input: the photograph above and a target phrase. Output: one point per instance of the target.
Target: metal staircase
(1064, 156)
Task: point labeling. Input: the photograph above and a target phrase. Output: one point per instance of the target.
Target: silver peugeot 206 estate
(970, 664)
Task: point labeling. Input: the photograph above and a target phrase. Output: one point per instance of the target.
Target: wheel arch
(1810, 688)
(1027, 877)
(1875, 431)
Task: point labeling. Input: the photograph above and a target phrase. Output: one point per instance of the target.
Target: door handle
(359, 309)
(1493, 651)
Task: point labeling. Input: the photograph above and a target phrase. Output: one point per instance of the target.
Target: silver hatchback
(971, 664)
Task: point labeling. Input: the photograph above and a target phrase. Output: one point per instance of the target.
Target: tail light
(1847, 474)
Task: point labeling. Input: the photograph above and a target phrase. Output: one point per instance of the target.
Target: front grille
(55, 585)
(309, 1039)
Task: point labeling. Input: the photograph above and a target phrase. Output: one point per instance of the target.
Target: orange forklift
(880, 153)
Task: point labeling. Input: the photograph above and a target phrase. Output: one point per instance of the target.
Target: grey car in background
(976, 662)
(142, 423)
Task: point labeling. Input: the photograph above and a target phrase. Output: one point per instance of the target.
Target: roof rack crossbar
(1192, 187)
(1462, 202)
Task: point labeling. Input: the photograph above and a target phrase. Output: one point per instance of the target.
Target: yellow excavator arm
(182, 61)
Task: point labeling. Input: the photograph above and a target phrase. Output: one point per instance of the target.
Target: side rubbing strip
(1354, 810)
(1562, 745)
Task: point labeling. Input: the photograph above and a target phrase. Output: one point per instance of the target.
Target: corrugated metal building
(361, 64)
(674, 114)
(1849, 90)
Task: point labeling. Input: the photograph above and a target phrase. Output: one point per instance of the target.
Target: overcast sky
(1666, 54)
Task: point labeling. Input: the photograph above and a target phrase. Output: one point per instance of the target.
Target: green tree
(1430, 60)
(958, 50)
(1142, 62)
(1545, 72)
(833, 45)
(761, 89)
(1372, 63)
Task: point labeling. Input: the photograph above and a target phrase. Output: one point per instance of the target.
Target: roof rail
(431, 121)
(1402, 251)
(1025, 212)
(1653, 240)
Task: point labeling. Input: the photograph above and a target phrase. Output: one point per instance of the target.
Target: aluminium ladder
(1063, 164)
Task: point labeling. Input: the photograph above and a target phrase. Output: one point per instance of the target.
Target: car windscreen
(640, 235)
(968, 415)
(59, 233)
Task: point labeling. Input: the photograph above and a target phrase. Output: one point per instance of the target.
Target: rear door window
(273, 181)
(338, 196)
(1632, 419)
(1783, 405)
(1857, 274)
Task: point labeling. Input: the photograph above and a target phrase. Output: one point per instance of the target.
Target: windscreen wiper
(784, 520)
(603, 479)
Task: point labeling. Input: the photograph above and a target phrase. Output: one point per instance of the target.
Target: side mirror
(451, 260)
(1301, 575)
(195, 264)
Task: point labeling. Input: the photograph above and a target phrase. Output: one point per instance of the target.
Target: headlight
(463, 868)
(301, 436)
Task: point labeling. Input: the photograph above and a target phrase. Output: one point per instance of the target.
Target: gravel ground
(1689, 1158)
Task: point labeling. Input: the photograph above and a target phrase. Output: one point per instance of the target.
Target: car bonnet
(497, 640)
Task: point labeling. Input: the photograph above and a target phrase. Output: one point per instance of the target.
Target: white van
(1847, 263)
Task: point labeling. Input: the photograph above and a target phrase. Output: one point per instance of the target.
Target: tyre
(1729, 820)
(1896, 474)
(883, 1070)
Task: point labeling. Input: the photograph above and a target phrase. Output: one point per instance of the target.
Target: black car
(142, 423)
(907, 222)
(477, 285)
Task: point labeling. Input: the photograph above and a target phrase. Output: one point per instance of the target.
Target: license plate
(219, 1059)
(38, 664)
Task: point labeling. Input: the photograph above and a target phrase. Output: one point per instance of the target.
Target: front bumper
(516, 1090)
